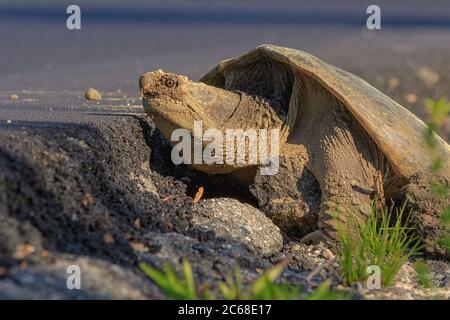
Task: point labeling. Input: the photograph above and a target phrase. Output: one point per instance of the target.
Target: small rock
(411, 98)
(137, 223)
(138, 246)
(327, 254)
(93, 94)
(108, 238)
(14, 97)
(428, 76)
(23, 251)
(230, 218)
(393, 83)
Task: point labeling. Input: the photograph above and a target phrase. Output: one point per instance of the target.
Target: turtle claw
(315, 237)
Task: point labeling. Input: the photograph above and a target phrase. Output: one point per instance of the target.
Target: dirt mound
(74, 184)
(107, 190)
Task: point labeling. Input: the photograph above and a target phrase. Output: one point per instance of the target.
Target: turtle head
(175, 102)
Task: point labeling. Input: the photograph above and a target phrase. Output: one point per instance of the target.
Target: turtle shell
(270, 71)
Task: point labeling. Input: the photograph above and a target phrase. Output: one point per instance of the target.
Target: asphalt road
(73, 171)
(50, 67)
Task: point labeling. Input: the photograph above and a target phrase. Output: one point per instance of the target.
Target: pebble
(411, 98)
(23, 251)
(327, 254)
(137, 223)
(393, 83)
(108, 238)
(138, 246)
(428, 76)
(93, 94)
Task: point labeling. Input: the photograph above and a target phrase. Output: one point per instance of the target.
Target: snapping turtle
(357, 143)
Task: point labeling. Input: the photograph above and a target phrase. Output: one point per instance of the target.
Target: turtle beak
(143, 83)
(148, 82)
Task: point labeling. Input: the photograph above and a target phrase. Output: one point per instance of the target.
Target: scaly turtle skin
(357, 142)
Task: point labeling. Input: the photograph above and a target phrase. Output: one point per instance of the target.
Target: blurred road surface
(50, 67)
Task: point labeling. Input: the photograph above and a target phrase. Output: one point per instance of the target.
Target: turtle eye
(170, 83)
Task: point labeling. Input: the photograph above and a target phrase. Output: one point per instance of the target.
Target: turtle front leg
(346, 201)
(348, 180)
